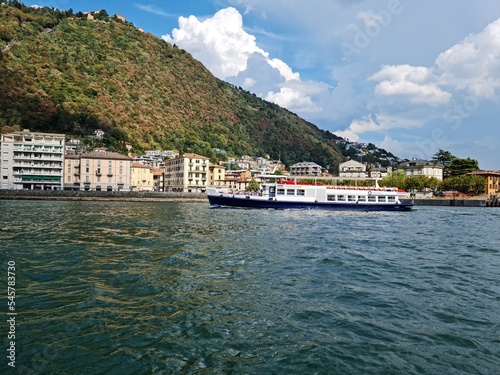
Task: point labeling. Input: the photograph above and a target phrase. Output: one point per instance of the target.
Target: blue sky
(410, 76)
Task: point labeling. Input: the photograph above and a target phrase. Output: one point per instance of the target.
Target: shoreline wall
(451, 202)
(101, 195)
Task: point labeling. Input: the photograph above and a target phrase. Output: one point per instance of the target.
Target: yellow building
(142, 177)
(187, 173)
(492, 181)
(217, 175)
(109, 171)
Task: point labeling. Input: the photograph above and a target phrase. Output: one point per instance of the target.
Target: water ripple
(168, 288)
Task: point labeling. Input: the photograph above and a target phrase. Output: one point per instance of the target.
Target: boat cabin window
(330, 198)
(351, 198)
(281, 192)
(391, 199)
(301, 192)
(382, 199)
(362, 198)
(340, 198)
(372, 198)
(290, 192)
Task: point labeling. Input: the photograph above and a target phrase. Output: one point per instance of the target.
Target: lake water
(179, 288)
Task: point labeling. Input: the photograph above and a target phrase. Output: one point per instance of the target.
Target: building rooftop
(105, 155)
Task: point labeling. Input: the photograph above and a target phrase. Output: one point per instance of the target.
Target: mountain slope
(62, 72)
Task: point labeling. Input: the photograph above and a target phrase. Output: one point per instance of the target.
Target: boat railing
(257, 193)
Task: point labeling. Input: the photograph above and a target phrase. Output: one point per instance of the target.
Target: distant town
(46, 161)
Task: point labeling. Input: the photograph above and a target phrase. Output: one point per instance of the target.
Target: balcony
(110, 174)
(98, 174)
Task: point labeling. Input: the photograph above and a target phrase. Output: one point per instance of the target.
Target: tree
(253, 185)
(463, 166)
(477, 184)
(443, 157)
(454, 166)
(395, 179)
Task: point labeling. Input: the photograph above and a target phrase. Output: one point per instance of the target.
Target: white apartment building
(353, 169)
(305, 169)
(187, 173)
(419, 167)
(31, 161)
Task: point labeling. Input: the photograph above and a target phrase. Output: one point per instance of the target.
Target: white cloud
(219, 42)
(473, 65)
(413, 83)
(376, 123)
(284, 69)
(395, 147)
(152, 9)
(295, 100)
(230, 53)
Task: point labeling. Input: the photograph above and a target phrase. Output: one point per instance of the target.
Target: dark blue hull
(217, 201)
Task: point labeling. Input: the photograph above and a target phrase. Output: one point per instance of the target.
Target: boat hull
(251, 202)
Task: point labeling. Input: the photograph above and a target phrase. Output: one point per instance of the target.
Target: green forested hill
(60, 72)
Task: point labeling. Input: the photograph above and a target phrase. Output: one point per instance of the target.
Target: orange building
(492, 181)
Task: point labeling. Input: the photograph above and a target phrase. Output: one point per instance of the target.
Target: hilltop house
(380, 172)
(352, 169)
(305, 169)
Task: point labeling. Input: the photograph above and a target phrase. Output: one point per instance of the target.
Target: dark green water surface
(179, 288)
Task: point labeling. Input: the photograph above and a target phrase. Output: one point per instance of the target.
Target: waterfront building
(31, 161)
(492, 181)
(353, 169)
(305, 169)
(159, 179)
(71, 172)
(419, 167)
(237, 180)
(98, 170)
(142, 177)
(217, 175)
(187, 173)
(380, 172)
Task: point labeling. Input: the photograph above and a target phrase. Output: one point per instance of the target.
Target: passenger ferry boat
(280, 193)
